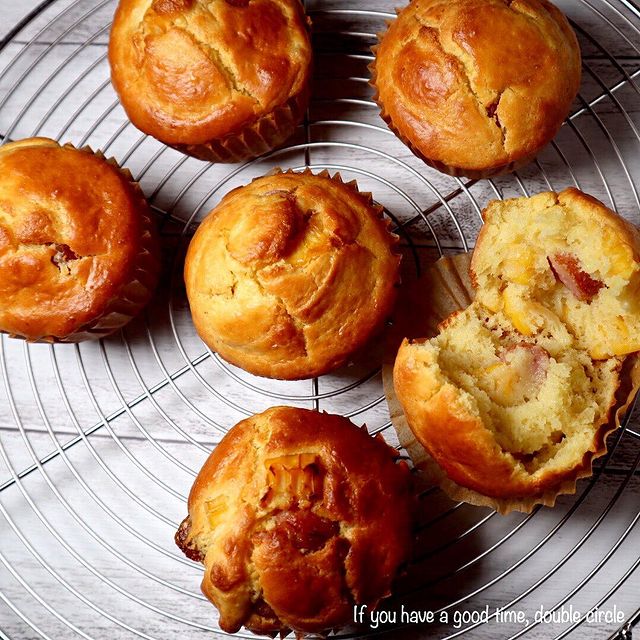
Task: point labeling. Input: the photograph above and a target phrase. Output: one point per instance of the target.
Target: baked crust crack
(483, 109)
(254, 274)
(182, 23)
(63, 255)
(492, 112)
(229, 74)
(297, 323)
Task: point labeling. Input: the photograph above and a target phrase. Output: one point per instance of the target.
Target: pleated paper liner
(135, 293)
(444, 288)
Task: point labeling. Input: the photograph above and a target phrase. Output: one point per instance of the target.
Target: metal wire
(147, 405)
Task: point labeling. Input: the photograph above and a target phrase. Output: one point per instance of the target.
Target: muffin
(565, 262)
(79, 254)
(298, 516)
(508, 416)
(222, 81)
(291, 274)
(515, 395)
(476, 87)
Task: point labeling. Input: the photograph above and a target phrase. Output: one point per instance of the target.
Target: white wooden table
(99, 444)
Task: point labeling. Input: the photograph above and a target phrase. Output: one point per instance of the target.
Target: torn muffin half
(563, 262)
(504, 414)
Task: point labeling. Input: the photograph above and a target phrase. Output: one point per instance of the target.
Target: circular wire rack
(100, 442)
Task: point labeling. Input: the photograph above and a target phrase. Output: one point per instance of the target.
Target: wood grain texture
(86, 538)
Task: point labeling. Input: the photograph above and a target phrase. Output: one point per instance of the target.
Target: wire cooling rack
(100, 442)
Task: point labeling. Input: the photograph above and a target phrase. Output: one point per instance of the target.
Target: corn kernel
(215, 508)
(294, 477)
(518, 311)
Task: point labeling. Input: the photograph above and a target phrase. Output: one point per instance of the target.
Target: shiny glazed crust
(298, 515)
(218, 79)
(292, 273)
(477, 87)
(79, 254)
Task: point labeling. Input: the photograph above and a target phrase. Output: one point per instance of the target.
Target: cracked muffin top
(477, 87)
(290, 274)
(190, 71)
(78, 254)
(298, 516)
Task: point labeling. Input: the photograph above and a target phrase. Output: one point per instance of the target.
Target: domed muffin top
(72, 227)
(290, 274)
(189, 71)
(477, 84)
(297, 515)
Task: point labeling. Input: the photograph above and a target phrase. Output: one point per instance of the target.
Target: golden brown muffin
(515, 395)
(298, 516)
(566, 263)
(506, 415)
(290, 274)
(79, 254)
(477, 87)
(222, 80)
